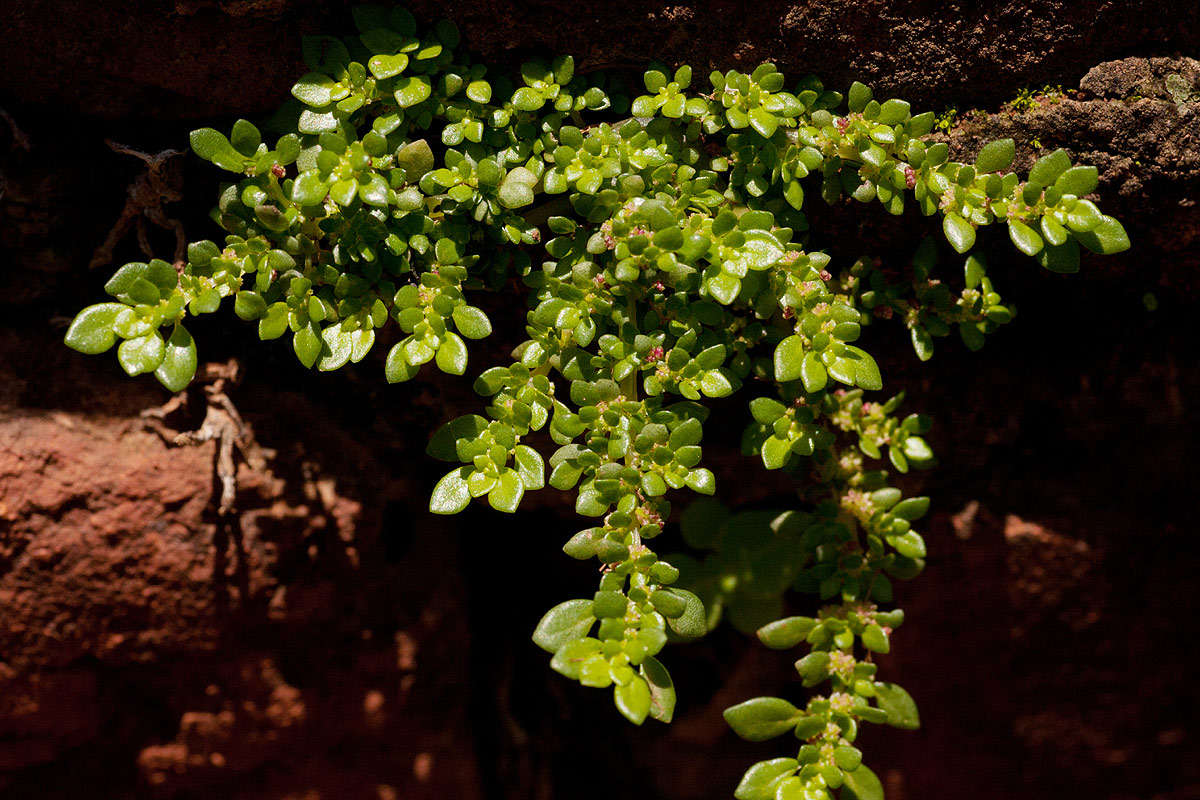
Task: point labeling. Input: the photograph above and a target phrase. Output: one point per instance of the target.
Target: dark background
(336, 641)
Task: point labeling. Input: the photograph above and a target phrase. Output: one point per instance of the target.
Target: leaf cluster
(662, 242)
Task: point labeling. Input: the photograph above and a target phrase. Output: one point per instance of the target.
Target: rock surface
(333, 641)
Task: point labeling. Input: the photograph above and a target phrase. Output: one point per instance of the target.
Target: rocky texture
(331, 640)
(131, 606)
(185, 58)
(1138, 121)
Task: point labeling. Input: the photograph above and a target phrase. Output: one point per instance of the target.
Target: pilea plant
(662, 242)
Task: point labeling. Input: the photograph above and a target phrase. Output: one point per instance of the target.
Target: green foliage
(667, 261)
(1029, 98)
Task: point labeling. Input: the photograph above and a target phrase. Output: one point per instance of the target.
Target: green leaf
(121, 281)
(1082, 218)
(858, 97)
(959, 232)
(692, 623)
(287, 149)
(91, 331)
(451, 494)
(249, 306)
(917, 449)
(400, 19)
(342, 192)
(764, 122)
(144, 292)
(443, 444)
(1078, 181)
(861, 784)
(866, 371)
(387, 66)
(608, 604)
(899, 705)
(245, 137)
(783, 634)
(644, 107)
(1046, 169)
(922, 342)
(412, 89)
(667, 603)
(813, 668)
(766, 409)
(397, 369)
(274, 323)
(208, 301)
(689, 432)
(761, 250)
(373, 190)
(654, 80)
(1063, 258)
(669, 239)
(724, 287)
(318, 90)
(974, 271)
(142, 354)
(309, 188)
(760, 780)
(527, 99)
(911, 509)
(452, 355)
(717, 383)
(701, 481)
(875, 640)
(471, 322)
(515, 190)
(507, 493)
(530, 467)
(653, 485)
(1106, 238)
(307, 344)
(911, 544)
(893, 112)
(662, 689)
(794, 194)
(762, 718)
(847, 758)
(569, 659)
(339, 348)
(211, 145)
(791, 788)
(996, 156)
(179, 361)
(479, 91)
(789, 359)
(162, 275)
(813, 373)
(314, 122)
(1024, 237)
(416, 159)
(921, 124)
(776, 452)
(564, 623)
(633, 700)
(447, 251)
